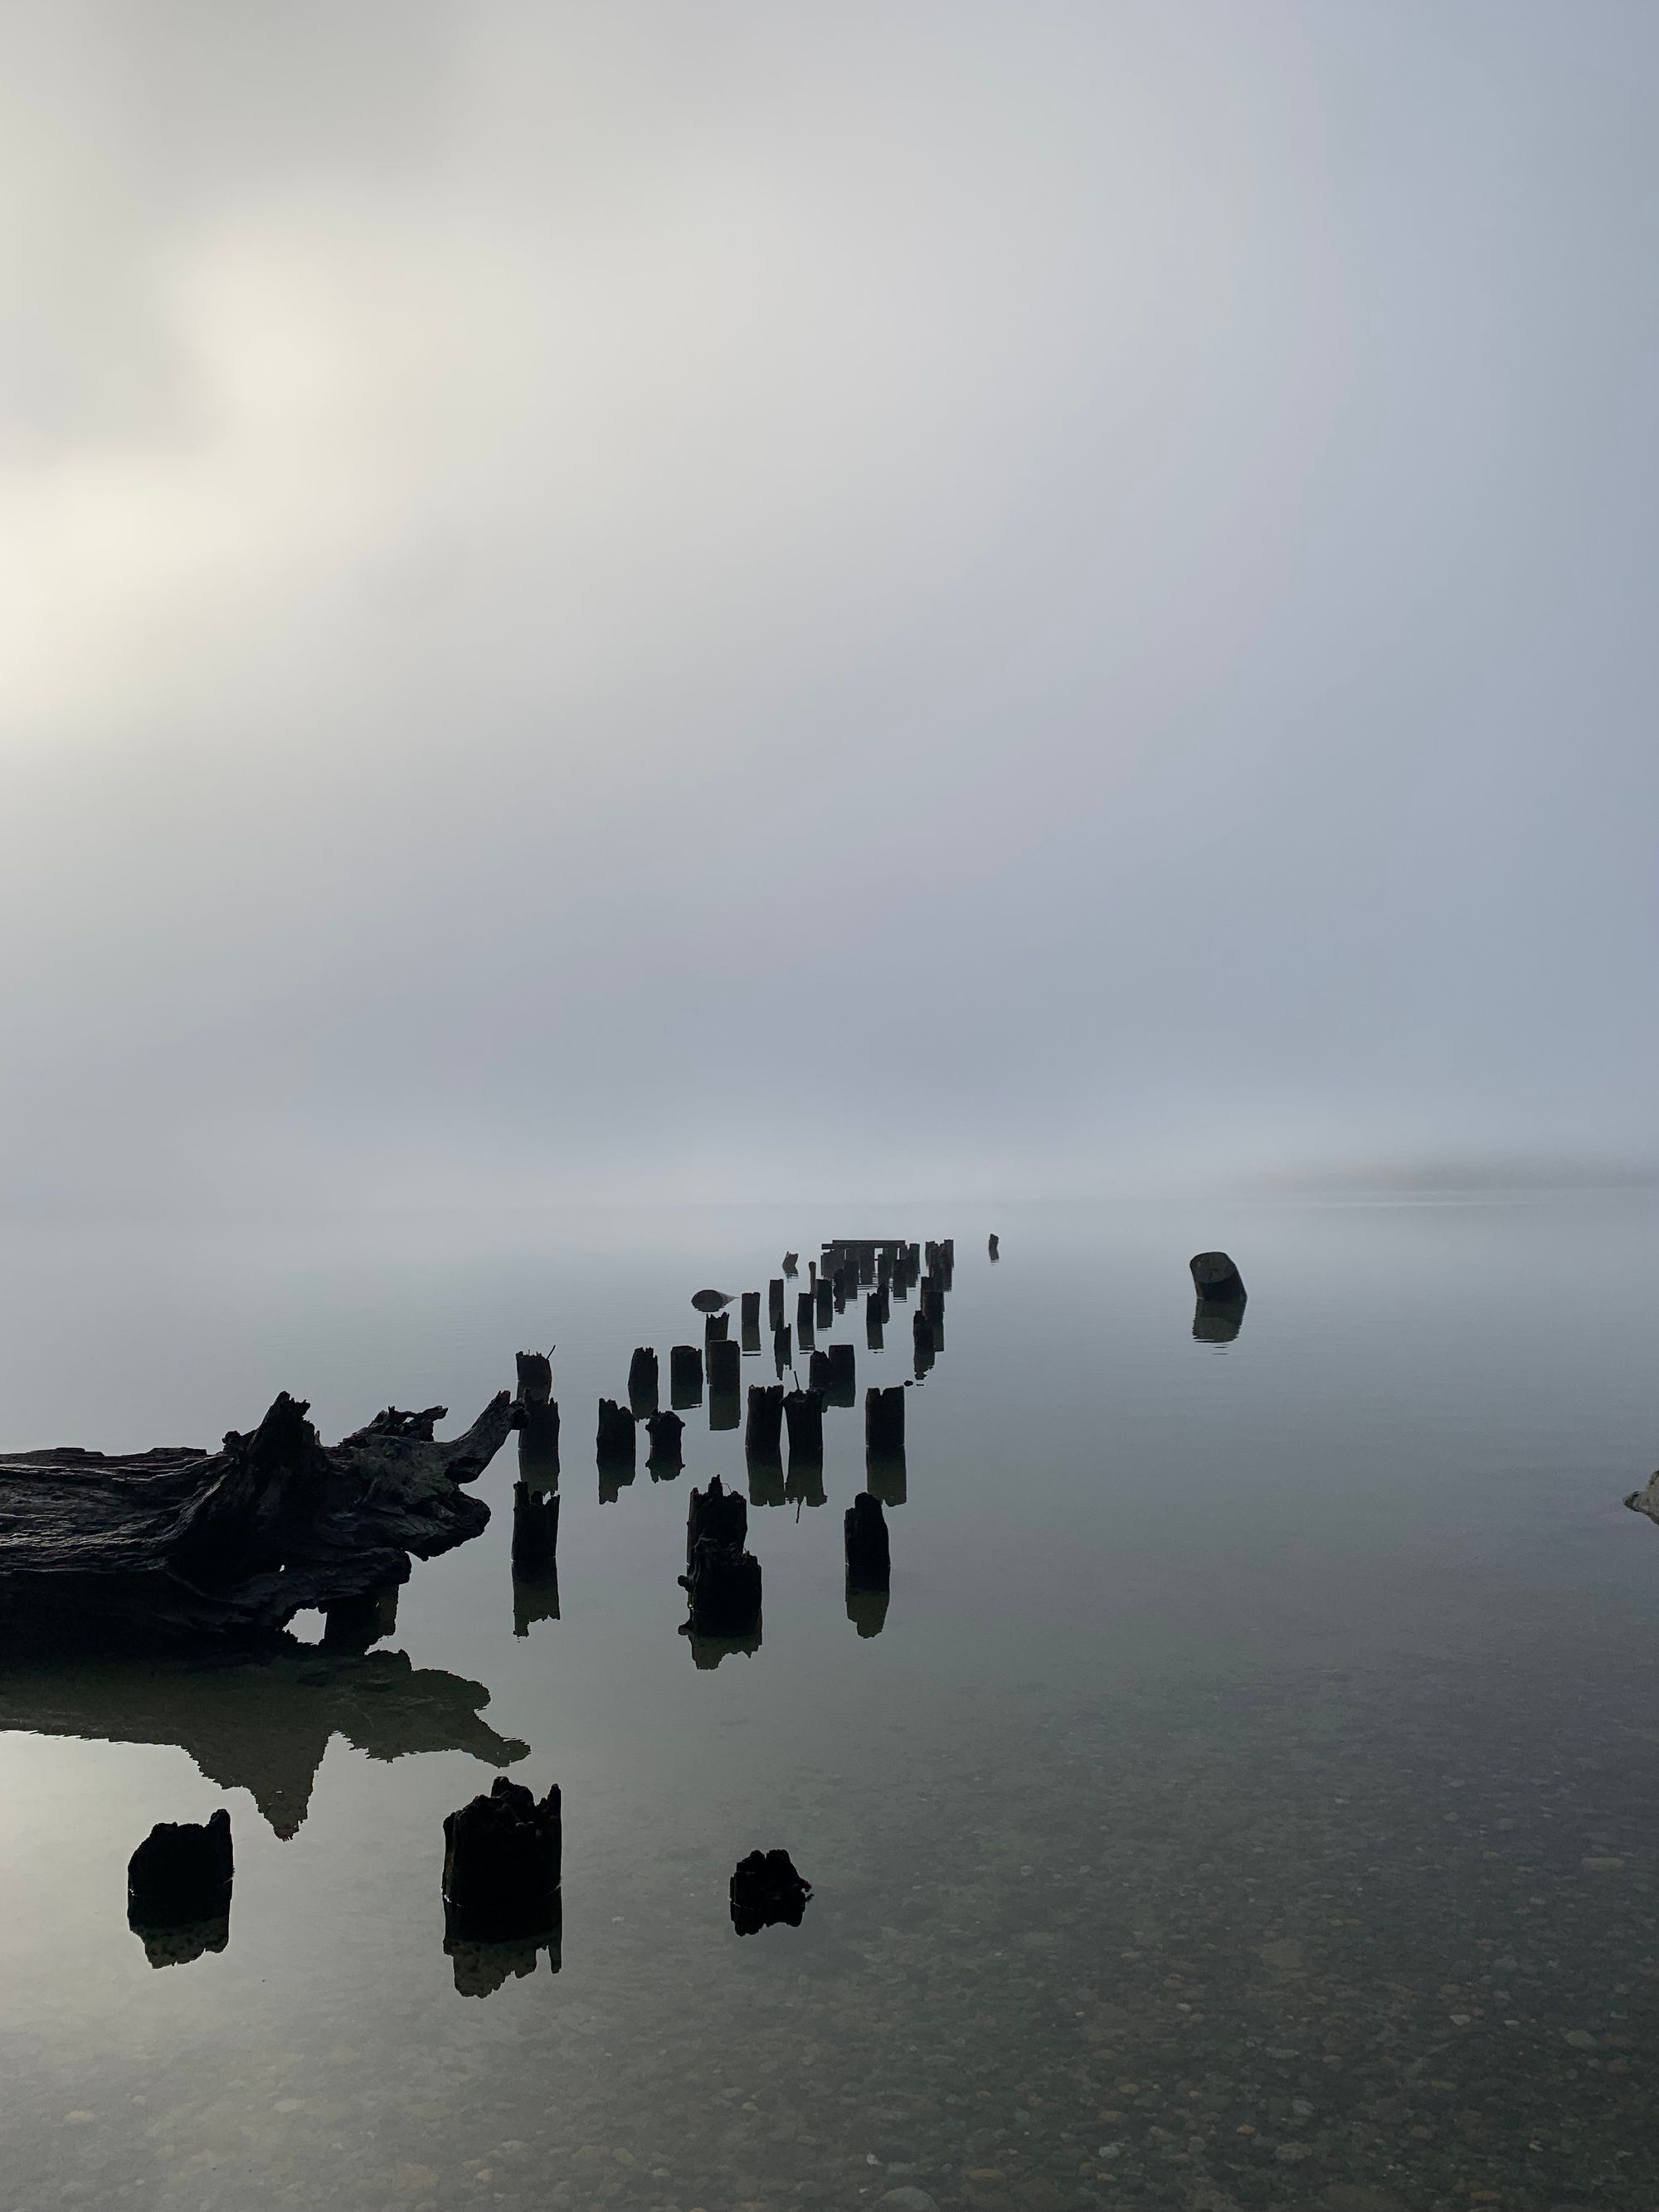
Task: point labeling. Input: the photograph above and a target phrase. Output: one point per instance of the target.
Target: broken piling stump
(723, 1586)
(178, 1886)
(685, 1376)
(716, 1516)
(617, 1434)
(502, 1863)
(868, 1555)
(643, 1382)
(803, 1412)
(664, 1458)
(766, 1892)
(884, 1422)
(763, 1434)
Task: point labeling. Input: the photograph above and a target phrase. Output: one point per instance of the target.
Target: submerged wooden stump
(502, 1858)
(177, 1544)
(179, 1885)
(766, 1892)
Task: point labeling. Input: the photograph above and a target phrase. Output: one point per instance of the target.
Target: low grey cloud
(734, 601)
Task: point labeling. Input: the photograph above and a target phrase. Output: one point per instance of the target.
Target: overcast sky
(698, 597)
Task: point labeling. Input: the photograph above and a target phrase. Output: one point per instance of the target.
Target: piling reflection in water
(783, 1350)
(725, 1377)
(535, 1557)
(1219, 1313)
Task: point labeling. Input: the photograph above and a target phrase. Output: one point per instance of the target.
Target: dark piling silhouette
(723, 1586)
(716, 1329)
(791, 1263)
(1216, 1280)
(874, 1321)
(803, 1411)
(926, 1347)
(502, 1863)
(643, 1382)
(766, 1892)
(538, 1443)
(774, 1303)
(869, 1564)
(824, 1307)
(664, 1458)
(724, 1371)
(763, 1436)
(535, 1531)
(716, 1516)
(1219, 1313)
(178, 1886)
(994, 1246)
(750, 1322)
(783, 1350)
(685, 1376)
(617, 1434)
(804, 1336)
(884, 1422)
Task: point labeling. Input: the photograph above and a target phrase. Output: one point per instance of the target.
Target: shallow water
(1248, 1800)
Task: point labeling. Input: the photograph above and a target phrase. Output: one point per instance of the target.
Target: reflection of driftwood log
(664, 1430)
(884, 1422)
(868, 1559)
(803, 1410)
(763, 1438)
(262, 1722)
(717, 1516)
(643, 1382)
(766, 1892)
(177, 1544)
(685, 1376)
(1216, 1280)
(617, 1434)
(178, 1884)
(501, 1865)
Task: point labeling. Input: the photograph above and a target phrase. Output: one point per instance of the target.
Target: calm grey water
(1250, 1799)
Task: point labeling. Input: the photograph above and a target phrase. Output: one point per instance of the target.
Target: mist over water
(608, 605)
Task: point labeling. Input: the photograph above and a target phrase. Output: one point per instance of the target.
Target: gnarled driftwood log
(176, 1544)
